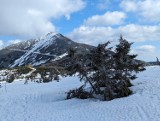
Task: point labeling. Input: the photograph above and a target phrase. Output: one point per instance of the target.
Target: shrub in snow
(10, 78)
(23, 70)
(46, 74)
(79, 93)
(56, 78)
(108, 73)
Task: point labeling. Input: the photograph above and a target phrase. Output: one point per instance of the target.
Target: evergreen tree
(94, 67)
(107, 73)
(126, 66)
(157, 62)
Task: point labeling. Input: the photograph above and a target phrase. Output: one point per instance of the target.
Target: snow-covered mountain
(49, 48)
(10, 53)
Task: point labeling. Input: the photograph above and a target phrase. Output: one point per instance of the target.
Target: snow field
(46, 102)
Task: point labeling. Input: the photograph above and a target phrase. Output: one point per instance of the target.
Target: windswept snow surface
(46, 102)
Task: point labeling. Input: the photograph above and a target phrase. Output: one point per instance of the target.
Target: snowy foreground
(46, 102)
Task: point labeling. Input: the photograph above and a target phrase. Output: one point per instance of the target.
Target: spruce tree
(125, 66)
(125, 62)
(108, 73)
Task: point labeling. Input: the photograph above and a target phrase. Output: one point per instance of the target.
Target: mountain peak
(51, 34)
(59, 35)
(38, 51)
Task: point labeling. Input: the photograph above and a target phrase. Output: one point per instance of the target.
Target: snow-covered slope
(10, 53)
(35, 54)
(46, 102)
(47, 49)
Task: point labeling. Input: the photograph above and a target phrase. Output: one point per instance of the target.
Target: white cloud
(9, 42)
(14, 41)
(1, 44)
(103, 4)
(134, 33)
(147, 52)
(109, 18)
(148, 9)
(129, 6)
(32, 18)
(92, 35)
(146, 48)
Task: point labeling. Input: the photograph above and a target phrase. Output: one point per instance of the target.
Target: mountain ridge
(35, 52)
(48, 50)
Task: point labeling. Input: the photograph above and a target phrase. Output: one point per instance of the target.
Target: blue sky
(86, 21)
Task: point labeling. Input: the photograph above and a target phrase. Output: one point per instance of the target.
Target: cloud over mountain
(31, 18)
(132, 32)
